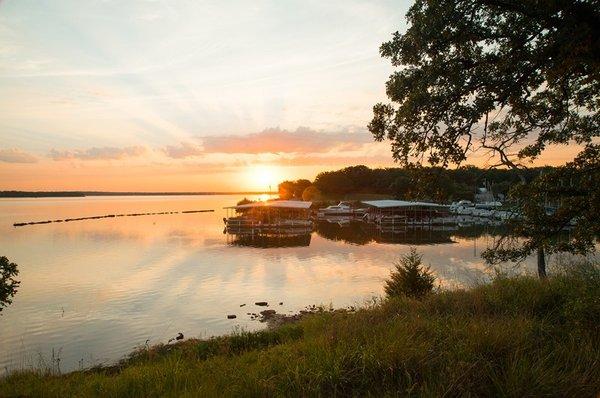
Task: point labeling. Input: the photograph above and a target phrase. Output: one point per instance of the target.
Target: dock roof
(278, 204)
(388, 203)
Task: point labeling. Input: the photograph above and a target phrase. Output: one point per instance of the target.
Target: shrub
(410, 278)
(244, 201)
(8, 284)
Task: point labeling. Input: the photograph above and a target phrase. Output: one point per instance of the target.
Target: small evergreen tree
(8, 284)
(410, 278)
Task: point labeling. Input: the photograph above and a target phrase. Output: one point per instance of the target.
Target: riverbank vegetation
(518, 336)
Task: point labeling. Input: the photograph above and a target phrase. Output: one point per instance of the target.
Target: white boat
(342, 209)
(463, 207)
(488, 205)
(482, 212)
(486, 200)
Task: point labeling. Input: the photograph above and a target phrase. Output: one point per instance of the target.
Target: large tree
(508, 77)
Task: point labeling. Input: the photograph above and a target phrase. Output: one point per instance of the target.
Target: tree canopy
(493, 75)
(293, 189)
(505, 77)
(419, 183)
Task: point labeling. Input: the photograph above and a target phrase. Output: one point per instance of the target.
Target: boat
(486, 200)
(342, 209)
(463, 208)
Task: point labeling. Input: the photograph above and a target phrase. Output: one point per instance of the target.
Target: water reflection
(354, 232)
(360, 233)
(268, 241)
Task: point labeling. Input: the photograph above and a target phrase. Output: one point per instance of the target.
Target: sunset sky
(155, 95)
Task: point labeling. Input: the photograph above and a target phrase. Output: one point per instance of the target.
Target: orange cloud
(183, 150)
(98, 153)
(276, 140)
(14, 155)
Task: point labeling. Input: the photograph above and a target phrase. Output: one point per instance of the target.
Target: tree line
(407, 183)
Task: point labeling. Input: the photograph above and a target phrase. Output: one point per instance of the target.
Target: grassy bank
(514, 337)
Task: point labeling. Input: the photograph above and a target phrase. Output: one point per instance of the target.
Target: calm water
(91, 291)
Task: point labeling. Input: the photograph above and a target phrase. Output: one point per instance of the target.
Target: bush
(8, 284)
(410, 278)
(244, 201)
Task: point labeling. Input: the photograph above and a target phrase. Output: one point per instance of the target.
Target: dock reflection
(267, 238)
(270, 241)
(359, 233)
(356, 233)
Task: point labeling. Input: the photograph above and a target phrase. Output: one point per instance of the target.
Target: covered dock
(389, 213)
(272, 215)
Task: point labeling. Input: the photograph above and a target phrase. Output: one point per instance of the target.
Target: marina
(295, 217)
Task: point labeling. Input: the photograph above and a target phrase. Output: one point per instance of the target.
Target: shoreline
(83, 194)
(516, 336)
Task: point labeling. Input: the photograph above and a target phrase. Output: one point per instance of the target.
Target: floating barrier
(21, 224)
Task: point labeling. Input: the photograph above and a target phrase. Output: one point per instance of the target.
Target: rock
(231, 316)
(242, 305)
(266, 314)
(261, 303)
(281, 303)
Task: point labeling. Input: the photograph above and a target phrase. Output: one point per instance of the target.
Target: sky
(160, 95)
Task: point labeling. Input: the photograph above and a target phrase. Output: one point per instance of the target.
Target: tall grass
(514, 337)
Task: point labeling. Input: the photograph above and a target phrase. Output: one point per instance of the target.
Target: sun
(264, 178)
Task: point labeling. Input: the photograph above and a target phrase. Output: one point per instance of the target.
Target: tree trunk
(541, 263)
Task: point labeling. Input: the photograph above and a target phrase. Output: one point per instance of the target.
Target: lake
(91, 291)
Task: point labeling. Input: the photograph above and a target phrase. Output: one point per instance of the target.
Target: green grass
(514, 337)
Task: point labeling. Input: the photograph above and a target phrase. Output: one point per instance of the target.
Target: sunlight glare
(264, 178)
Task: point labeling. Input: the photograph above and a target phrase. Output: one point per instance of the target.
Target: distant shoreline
(81, 194)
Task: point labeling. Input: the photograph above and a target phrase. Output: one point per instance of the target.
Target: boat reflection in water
(360, 233)
(268, 240)
(355, 233)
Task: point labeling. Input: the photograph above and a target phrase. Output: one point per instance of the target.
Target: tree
(410, 278)
(286, 190)
(8, 284)
(566, 196)
(334, 183)
(300, 186)
(311, 193)
(506, 77)
(293, 189)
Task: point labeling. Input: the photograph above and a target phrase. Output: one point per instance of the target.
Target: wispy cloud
(14, 155)
(183, 150)
(276, 140)
(98, 153)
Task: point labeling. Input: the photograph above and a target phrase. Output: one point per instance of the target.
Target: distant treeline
(423, 183)
(62, 194)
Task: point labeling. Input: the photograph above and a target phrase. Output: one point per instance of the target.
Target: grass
(514, 337)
